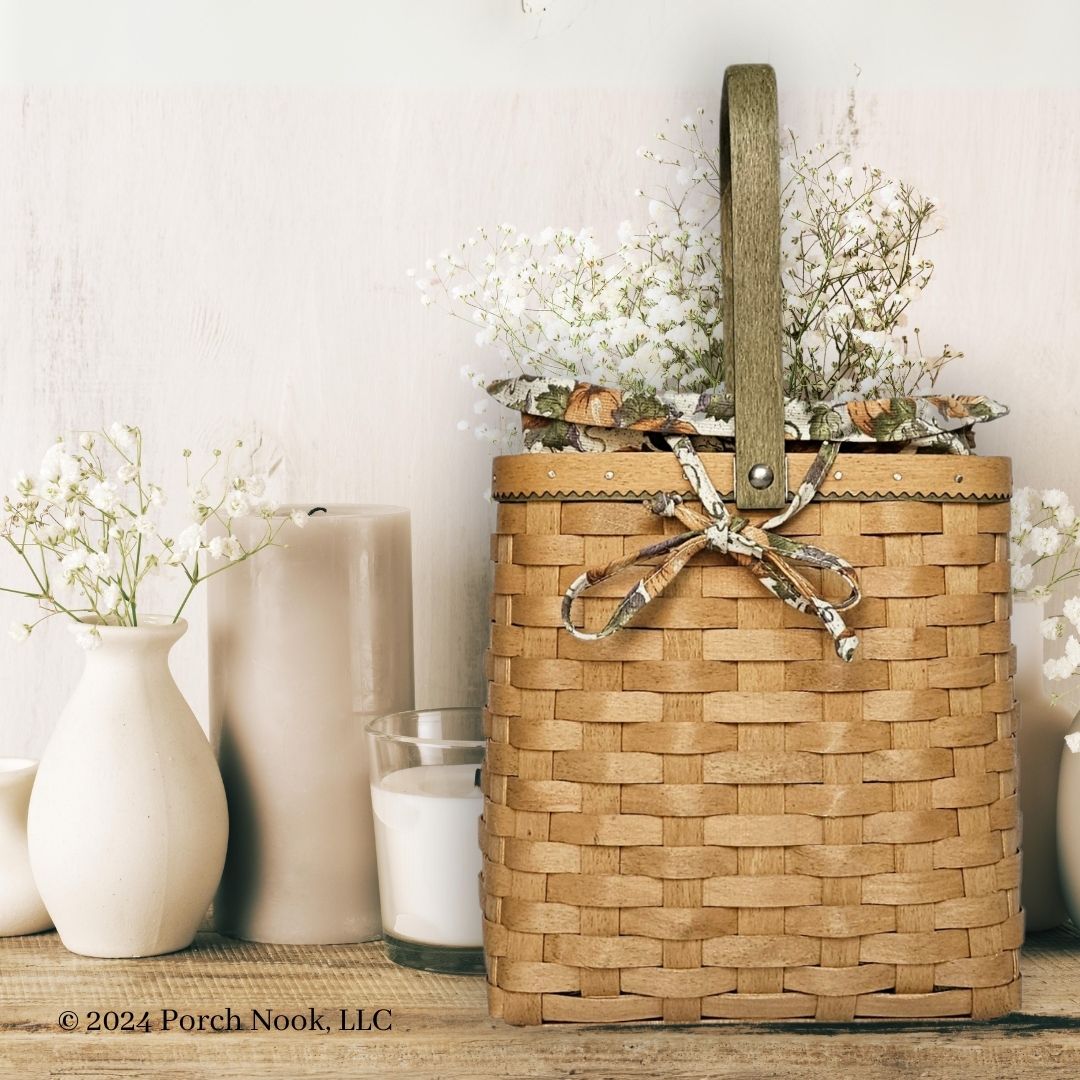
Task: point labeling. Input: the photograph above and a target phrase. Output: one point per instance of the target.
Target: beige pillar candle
(306, 643)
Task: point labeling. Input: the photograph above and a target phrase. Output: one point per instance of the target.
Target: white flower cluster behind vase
(1045, 555)
(1045, 538)
(88, 529)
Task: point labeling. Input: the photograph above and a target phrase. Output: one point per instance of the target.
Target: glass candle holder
(426, 803)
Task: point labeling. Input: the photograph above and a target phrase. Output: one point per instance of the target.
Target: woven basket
(710, 815)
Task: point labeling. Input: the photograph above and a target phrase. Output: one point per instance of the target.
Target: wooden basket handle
(750, 241)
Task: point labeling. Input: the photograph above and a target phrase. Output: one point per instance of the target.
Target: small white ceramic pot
(128, 822)
(21, 909)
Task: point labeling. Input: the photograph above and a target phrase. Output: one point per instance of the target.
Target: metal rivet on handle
(760, 476)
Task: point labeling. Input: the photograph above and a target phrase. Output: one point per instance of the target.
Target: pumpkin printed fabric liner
(564, 415)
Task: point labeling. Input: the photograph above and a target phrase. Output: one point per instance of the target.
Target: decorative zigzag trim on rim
(861, 496)
(856, 477)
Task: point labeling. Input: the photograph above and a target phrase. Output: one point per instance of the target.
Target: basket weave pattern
(708, 815)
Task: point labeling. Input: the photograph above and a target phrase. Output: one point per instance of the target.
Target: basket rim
(857, 477)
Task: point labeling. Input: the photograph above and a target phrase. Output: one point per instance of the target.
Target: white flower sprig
(850, 270)
(647, 310)
(88, 529)
(1045, 554)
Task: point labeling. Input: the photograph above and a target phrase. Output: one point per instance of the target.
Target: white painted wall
(206, 209)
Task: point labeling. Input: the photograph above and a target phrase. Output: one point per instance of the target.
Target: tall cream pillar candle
(306, 643)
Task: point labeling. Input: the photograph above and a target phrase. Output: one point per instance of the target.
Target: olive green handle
(750, 241)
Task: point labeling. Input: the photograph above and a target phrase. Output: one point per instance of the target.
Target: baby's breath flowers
(1045, 552)
(850, 270)
(88, 529)
(646, 309)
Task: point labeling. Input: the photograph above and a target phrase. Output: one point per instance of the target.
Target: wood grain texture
(441, 1028)
(750, 244)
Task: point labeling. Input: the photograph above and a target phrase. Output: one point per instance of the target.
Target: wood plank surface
(440, 1028)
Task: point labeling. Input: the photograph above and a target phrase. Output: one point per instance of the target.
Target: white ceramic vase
(1040, 740)
(1068, 815)
(128, 822)
(21, 909)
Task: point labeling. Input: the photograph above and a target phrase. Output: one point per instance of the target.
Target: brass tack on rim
(609, 475)
(897, 476)
(551, 473)
(838, 475)
(959, 478)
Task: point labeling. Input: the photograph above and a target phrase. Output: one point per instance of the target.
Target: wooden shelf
(441, 1028)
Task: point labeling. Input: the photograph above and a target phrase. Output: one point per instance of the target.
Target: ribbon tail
(784, 550)
(695, 473)
(834, 565)
(808, 488)
(793, 551)
(787, 584)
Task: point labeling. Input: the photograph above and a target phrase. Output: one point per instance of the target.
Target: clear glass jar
(426, 803)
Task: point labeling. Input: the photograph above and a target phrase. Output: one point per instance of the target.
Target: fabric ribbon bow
(768, 556)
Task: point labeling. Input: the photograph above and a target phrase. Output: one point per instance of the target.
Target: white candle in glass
(426, 820)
